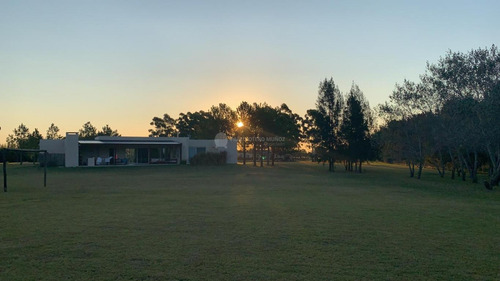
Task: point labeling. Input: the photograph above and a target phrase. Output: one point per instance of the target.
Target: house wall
(210, 146)
(184, 141)
(56, 151)
(232, 152)
(53, 146)
(71, 150)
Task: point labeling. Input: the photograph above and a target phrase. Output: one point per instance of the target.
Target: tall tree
(225, 118)
(33, 141)
(88, 131)
(451, 114)
(324, 122)
(244, 113)
(356, 125)
(163, 127)
(197, 125)
(406, 114)
(19, 138)
(53, 132)
(23, 139)
(107, 131)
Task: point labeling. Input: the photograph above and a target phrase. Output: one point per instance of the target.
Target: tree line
(448, 119)
(22, 138)
(263, 129)
(340, 127)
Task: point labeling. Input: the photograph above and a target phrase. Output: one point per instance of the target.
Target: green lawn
(294, 221)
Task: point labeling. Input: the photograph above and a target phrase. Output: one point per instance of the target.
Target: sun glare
(239, 124)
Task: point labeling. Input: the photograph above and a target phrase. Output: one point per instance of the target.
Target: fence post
(4, 156)
(45, 168)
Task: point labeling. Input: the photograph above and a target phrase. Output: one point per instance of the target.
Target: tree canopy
(450, 117)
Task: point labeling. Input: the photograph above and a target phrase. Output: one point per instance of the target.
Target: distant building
(106, 150)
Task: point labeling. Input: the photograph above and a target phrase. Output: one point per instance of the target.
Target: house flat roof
(127, 142)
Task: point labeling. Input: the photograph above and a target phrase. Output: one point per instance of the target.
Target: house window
(130, 155)
(195, 150)
(142, 155)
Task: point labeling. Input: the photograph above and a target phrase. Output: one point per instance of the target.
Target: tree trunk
(440, 165)
(411, 166)
(420, 166)
(360, 165)
(255, 151)
(454, 164)
(272, 155)
(474, 168)
(268, 153)
(244, 152)
(331, 164)
(462, 164)
(494, 179)
(261, 154)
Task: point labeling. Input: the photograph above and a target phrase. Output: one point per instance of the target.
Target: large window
(130, 155)
(142, 155)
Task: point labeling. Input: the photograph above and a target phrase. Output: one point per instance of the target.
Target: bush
(209, 158)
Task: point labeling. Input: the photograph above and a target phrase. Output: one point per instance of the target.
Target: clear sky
(123, 62)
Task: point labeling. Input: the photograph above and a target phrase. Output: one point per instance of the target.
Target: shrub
(209, 158)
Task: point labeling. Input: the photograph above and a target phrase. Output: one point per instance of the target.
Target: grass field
(294, 221)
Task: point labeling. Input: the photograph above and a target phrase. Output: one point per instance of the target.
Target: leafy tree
(467, 83)
(207, 124)
(88, 131)
(21, 134)
(224, 117)
(23, 139)
(324, 122)
(271, 130)
(33, 141)
(53, 132)
(262, 122)
(107, 131)
(163, 127)
(451, 115)
(20, 137)
(406, 114)
(11, 141)
(197, 125)
(356, 124)
(490, 133)
(244, 113)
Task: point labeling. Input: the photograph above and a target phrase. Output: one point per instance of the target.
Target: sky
(123, 62)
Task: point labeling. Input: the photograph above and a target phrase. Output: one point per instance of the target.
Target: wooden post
(244, 152)
(268, 149)
(4, 155)
(45, 156)
(261, 154)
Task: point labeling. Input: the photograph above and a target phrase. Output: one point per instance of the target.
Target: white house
(106, 150)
